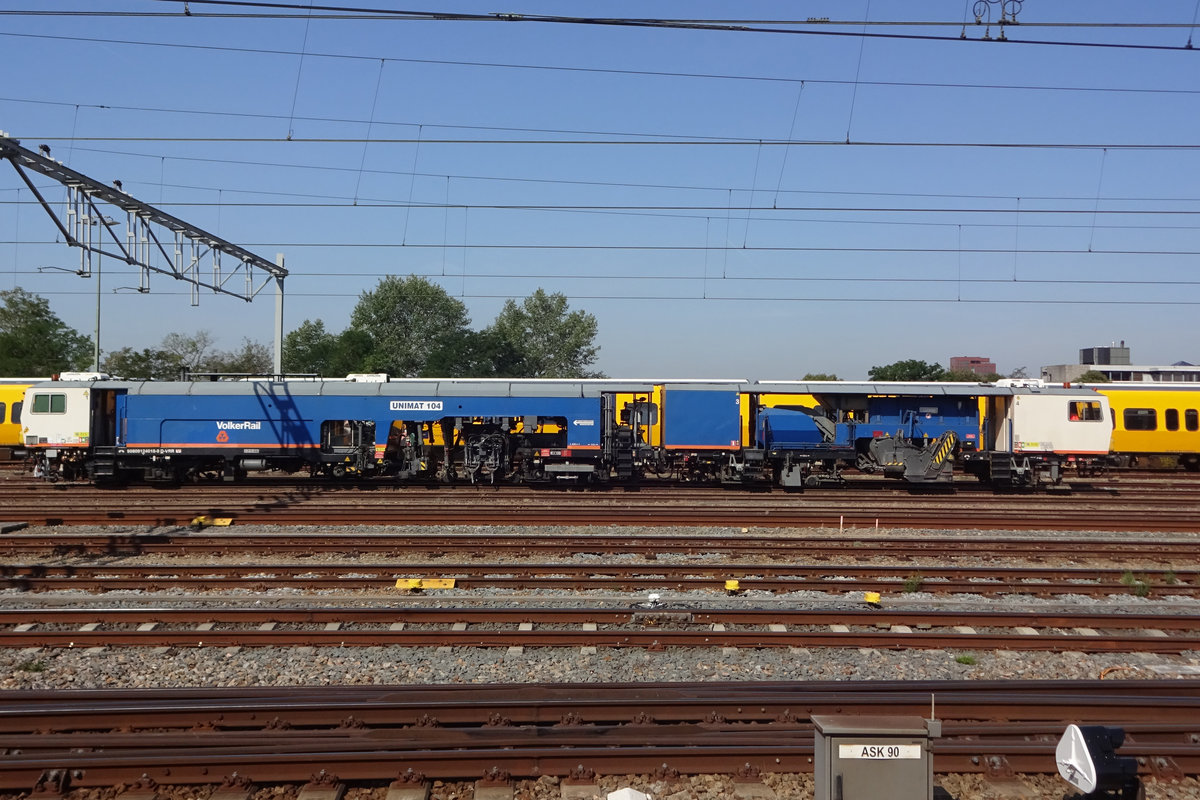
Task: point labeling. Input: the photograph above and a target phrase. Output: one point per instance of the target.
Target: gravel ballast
(45, 668)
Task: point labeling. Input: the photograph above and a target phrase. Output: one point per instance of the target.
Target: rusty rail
(645, 628)
(380, 733)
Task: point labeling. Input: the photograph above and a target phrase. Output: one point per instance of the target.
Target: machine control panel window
(49, 404)
(1085, 411)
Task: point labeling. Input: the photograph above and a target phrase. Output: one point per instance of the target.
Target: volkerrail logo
(230, 425)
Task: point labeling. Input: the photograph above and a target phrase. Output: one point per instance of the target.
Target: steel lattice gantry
(181, 251)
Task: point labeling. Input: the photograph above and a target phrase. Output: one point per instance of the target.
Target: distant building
(976, 364)
(1111, 355)
(1115, 362)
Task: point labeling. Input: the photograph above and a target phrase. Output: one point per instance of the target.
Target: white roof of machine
(929, 388)
(417, 387)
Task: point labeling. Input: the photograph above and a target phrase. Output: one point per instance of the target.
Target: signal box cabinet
(859, 757)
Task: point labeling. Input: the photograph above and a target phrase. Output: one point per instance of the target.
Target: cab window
(1171, 418)
(1141, 419)
(1086, 411)
(1191, 419)
(49, 404)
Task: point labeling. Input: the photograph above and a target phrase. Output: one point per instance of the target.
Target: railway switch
(861, 757)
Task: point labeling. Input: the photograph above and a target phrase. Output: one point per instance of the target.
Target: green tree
(351, 350)
(146, 364)
(191, 351)
(34, 342)
(820, 376)
(408, 320)
(308, 349)
(545, 339)
(252, 358)
(475, 354)
(312, 349)
(909, 370)
(1092, 376)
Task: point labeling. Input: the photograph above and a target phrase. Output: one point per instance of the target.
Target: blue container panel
(702, 419)
(782, 429)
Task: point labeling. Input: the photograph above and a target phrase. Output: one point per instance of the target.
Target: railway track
(1087, 506)
(119, 542)
(651, 628)
(241, 737)
(774, 577)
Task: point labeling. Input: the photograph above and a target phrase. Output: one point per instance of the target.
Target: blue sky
(709, 210)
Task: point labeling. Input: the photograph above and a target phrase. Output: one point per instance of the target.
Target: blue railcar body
(283, 416)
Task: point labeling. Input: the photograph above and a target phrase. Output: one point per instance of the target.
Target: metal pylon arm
(143, 247)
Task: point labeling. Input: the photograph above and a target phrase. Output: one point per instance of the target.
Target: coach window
(16, 413)
(49, 404)
(1079, 410)
(1191, 420)
(2, 410)
(1171, 417)
(1141, 419)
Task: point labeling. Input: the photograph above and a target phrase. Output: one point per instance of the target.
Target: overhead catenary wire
(751, 210)
(733, 26)
(372, 14)
(698, 208)
(565, 68)
(576, 182)
(672, 142)
(765, 298)
(691, 248)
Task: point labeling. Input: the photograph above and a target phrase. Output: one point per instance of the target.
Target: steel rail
(1174, 520)
(635, 614)
(889, 544)
(464, 732)
(1097, 509)
(600, 570)
(613, 577)
(655, 629)
(643, 639)
(256, 707)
